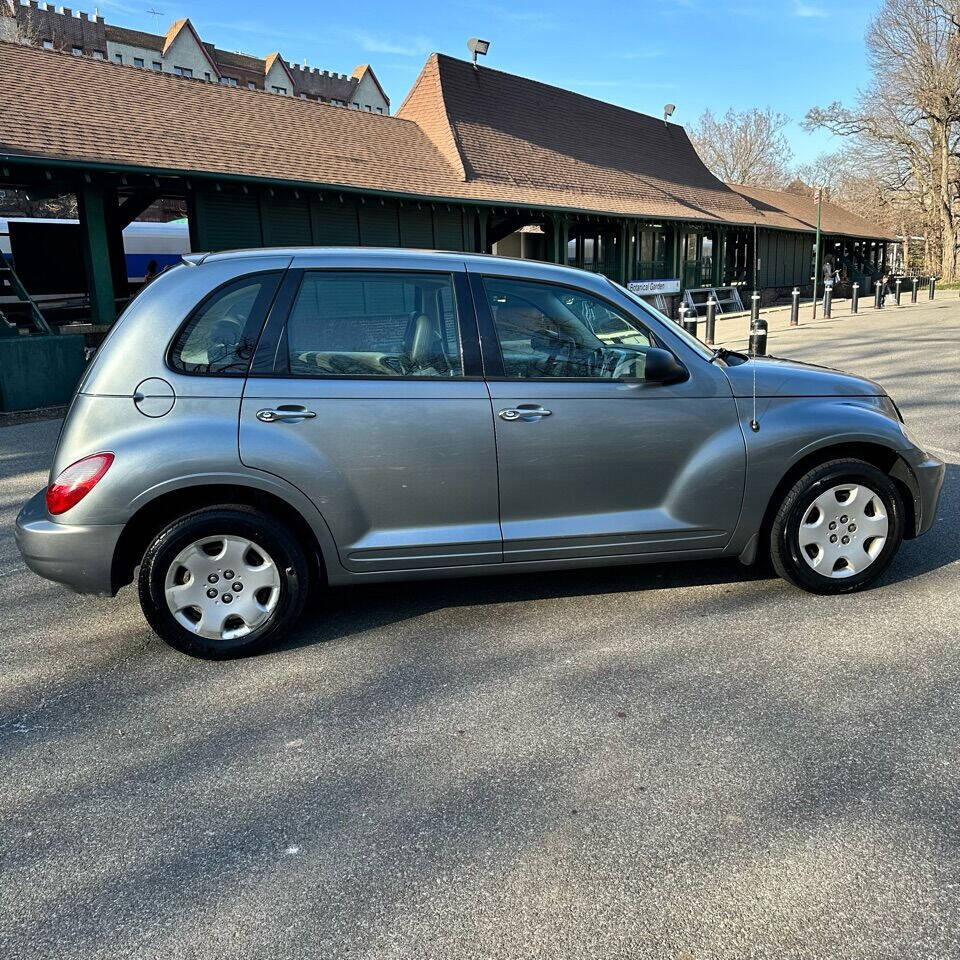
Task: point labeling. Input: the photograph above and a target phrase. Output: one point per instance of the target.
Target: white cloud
(399, 45)
(593, 83)
(808, 10)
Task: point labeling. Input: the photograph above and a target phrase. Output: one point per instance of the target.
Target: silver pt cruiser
(260, 423)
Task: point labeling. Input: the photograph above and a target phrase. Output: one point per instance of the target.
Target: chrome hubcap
(843, 530)
(222, 588)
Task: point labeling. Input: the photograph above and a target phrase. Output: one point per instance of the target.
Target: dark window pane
(222, 334)
(546, 330)
(362, 324)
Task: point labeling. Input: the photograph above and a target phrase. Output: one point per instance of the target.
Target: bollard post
(758, 338)
(711, 321)
(690, 324)
(827, 302)
(683, 314)
(877, 302)
(795, 308)
(933, 287)
(754, 306)
(913, 296)
(897, 291)
(855, 298)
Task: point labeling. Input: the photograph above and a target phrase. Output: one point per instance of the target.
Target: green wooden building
(475, 159)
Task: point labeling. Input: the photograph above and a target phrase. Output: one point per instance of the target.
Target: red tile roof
(512, 134)
(99, 112)
(796, 210)
(463, 133)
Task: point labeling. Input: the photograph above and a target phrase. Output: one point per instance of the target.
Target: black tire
(262, 530)
(785, 548)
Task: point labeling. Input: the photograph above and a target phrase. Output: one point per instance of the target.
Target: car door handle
(527, 412)
(285, 414)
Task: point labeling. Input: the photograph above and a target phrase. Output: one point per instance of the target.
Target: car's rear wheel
(838, 527)
(223, 582)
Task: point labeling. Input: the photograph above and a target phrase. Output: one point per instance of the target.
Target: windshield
(675, 328)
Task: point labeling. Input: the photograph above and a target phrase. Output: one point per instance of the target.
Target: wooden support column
(196, 221)
(482, 218)
(720, 235)
(96, 251)
(118, 259)
(675, 253)
(622, 258)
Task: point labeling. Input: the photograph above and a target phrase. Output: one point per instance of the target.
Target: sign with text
(647, 287)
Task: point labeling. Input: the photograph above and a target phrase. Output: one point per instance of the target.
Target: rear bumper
(80, 557)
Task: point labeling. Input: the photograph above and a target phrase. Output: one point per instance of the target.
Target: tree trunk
(948, 251)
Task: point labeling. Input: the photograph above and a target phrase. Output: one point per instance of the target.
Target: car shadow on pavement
(347, 611)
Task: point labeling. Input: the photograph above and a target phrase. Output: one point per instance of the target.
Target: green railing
(651, 270)
(697, 273)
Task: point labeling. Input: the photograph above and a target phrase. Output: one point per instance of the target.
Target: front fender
(794, 429)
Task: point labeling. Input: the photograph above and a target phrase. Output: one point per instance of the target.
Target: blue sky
(785, 54)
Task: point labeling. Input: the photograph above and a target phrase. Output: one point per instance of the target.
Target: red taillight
(74, 483)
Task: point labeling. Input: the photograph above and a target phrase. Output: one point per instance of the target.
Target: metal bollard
(933, 287)
(711, 321)
(754, 306)
(758, 338)
(913, 296)
(877, 303)
(827, 302)
(897, 291)
(795, 308)
(690, 324)
(855, 298)
(683, 314)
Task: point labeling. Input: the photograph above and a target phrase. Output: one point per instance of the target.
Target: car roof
(392, 257)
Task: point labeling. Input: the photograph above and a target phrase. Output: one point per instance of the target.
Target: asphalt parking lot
(688, 761)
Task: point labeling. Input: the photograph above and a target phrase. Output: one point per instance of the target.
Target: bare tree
(17, 203)
(871, 183)
(18, 24)
(909, 116)
(747, 147)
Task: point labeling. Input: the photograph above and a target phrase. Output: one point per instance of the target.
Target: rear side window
(221, 335)
(369, 324)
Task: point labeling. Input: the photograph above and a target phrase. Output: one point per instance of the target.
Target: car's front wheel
(223, 582)
(838, 527)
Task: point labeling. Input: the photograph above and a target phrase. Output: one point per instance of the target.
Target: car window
(362, 324)
(676, 329)
(222, 334)
(547, 330)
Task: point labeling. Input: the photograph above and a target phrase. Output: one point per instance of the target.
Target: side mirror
(661, 366)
